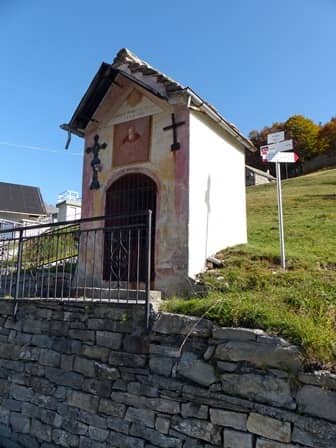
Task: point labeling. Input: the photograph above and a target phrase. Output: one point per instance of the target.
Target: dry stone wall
(86, 375)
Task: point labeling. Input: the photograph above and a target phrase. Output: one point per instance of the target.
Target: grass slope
(252, 291)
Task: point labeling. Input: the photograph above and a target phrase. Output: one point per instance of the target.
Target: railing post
(148, 256)
(18, 271)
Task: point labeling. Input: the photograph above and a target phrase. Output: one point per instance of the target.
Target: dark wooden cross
(176, 145)
(95, 162)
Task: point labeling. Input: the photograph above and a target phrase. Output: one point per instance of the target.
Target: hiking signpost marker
(272, 152)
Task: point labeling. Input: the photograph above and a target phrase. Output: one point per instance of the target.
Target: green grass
(251, 290)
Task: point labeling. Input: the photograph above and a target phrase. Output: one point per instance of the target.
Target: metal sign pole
(280, 215)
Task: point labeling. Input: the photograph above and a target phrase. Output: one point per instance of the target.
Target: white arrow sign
(283, 157)
(276, 147)
(276, 137)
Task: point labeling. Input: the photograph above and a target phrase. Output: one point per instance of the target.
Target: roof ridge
(126, 56)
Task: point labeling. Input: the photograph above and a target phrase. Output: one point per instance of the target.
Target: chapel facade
(151, 143)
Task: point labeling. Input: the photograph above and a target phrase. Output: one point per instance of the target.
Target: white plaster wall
(217, 203)
(68, 212)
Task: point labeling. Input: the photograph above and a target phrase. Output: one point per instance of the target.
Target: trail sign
(276, 137)
(272, 152)
(283, 157)
(276, 147)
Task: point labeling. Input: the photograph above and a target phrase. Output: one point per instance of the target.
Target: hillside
(252, 291)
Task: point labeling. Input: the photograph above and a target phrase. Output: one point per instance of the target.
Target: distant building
(254, 176)
(20, 205)
(69, 206)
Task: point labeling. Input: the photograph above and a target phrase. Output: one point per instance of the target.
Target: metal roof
(129, 65)
(24, 199)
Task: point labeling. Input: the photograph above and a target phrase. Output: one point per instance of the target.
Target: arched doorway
(127, 201)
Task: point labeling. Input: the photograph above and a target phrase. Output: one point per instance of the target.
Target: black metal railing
(91, 259)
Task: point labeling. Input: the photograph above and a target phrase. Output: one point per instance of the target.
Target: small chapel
(153, 144)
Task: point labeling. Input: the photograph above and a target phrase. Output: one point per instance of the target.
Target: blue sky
(256, 61)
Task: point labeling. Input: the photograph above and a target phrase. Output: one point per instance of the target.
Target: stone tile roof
(25, 199)
(128, 64)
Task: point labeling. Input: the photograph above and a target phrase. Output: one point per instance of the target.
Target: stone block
(162, 424)
(5, 387)
(10, 405)
(168, 323)
(41, 431)
(268, 427)
(84, 401)
(103, 371)
(13, 324)
(95, 352)
(118, 424)
(101, 388)
(196, 370)
(4, 415)
(49, 358)
(235, 333)
(50, 417)
(136, 344)
(29, 353)
(226, 366)
(82, 335)
(119, 359)
(236, 439)
(314, 432)
(64, 378)
(124, 441)
(110, 407)
(321, 378)
(19, 422)
(266, 443)
(235, 420)
(43, 386)
(9, 351)
(27, 441)
(194, 410)
(198, 429)
(21, 393)
(84, 366)
(5, 431)
(161, 366)
(85, 442)
(67, 346)
(67, 362)
(164, 350)
(32, 326)
(154, 437)
(261, 388)
(287, 357)
(98, 434)
(144, 416)
(109, 339)
(317, 401)
(65, 439)
(143, 389)
(42, 341)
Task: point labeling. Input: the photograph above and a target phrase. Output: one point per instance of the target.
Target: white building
(152, 143)
(69, 206)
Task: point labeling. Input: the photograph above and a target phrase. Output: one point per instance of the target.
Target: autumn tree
(304, 133)
(327, 136)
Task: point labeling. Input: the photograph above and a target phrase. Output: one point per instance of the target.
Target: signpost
(272, 152)
(276, 137)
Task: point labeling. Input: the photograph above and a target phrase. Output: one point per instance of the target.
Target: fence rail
(102, 258)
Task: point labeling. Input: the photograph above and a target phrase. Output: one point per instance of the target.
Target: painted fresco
(168, 169)
(131, 142)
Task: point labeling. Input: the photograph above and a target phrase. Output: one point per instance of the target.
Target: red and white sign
(283, 157)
